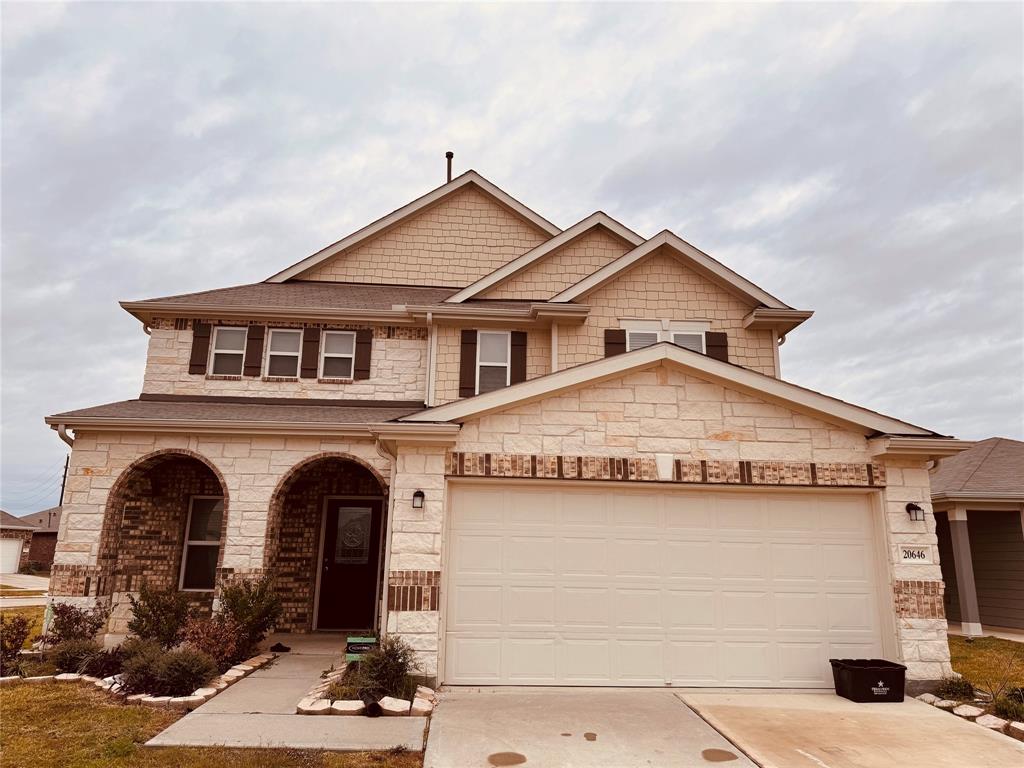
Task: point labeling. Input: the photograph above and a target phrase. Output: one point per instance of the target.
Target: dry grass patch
(35, 613)
(986, 658)
(54, 725)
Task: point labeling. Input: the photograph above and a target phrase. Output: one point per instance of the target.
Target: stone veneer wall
(460, 239)
(562, 268)
(449, 357)
(398, 367)
(293, 531)
(663, 288)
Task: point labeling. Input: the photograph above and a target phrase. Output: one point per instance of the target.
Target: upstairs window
(337, 356)
(283, 350)
(493, 353)
(644, 333)
(228, 350)
(202, 544)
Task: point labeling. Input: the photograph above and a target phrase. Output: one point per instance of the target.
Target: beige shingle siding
(563, 268)
(663, 288)
(397, 371)
(459, 240)
(446, 387)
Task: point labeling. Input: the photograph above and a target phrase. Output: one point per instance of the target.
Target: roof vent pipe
(449, 154)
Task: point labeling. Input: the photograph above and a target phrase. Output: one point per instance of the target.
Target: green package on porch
(357, 647)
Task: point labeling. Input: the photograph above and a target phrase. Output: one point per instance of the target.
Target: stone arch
(294, 524)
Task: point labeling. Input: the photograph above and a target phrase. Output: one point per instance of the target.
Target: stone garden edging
(112, 686)
(316, 703)
(969, 711)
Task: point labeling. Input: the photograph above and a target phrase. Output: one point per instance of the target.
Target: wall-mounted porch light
(915, 512)
(417, 500)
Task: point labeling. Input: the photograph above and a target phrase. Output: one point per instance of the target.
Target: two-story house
(542, 456)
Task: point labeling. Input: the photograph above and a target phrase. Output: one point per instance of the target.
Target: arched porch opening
(325, 545)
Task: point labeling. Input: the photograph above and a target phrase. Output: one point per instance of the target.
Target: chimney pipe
(449, 154)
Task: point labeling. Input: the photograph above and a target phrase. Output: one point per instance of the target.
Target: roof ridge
(981, 460)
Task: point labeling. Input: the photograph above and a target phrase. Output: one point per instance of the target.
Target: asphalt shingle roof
(995, 465)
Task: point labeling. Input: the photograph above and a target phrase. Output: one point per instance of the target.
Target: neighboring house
(15, 538)
(44, 536)
(978, 498)
(541, 456)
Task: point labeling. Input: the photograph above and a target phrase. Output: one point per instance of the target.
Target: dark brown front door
(350, 564)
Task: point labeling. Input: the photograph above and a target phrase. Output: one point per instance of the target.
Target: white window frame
(214, 351)
(666, 329)
(508, 357)
(188, 543)
(324, 354)
(296, 355)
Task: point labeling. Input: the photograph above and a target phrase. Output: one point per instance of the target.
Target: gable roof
(47, 521)
(411, 209)
(691, 255)
(596, 219)
(993, 467)
(10, 522)
(743, 379)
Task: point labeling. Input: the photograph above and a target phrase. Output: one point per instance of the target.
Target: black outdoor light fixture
(915, 512)
(417, 500)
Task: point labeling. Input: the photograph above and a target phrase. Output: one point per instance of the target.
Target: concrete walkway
(1006, 633)
(26, 582)
(259, 711)
(565, 727)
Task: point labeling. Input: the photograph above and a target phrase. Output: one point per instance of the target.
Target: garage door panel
(627, 587)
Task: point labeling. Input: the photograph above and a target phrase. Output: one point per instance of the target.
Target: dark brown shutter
(310, 353)
(467, 365)
(518, 361)
(254, 350)
(717, 345)
(364, 343)
(614, 341)
(200, 347)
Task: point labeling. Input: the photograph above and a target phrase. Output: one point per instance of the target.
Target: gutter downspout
(383, 452)
(780, 339)
(62, 431)
(431, 357)
(554, 347)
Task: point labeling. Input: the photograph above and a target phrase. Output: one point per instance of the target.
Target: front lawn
(6, 590)
(62, 724)
(34, 612)
(986, 659)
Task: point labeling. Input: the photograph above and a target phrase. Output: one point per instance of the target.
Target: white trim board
(599, 218)
(742, 379)
(417, 205)
(694, 256)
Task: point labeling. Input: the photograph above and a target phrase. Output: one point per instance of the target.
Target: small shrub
(141, 670)
(387, 670)
(253, 606)
(105, 663)
(14, 631)
(1008, 709)
(1016, 694)
(149, 668)
(955, 688)
(218, 636)
(69, 622)
(159, 616)
(74, 655)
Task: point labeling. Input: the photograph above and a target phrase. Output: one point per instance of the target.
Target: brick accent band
(645, 469)
(919, 599)
(413, 590)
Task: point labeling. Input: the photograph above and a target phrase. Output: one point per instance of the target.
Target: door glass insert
(352, 544)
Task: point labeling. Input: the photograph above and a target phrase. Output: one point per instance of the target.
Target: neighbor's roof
(9, 521)
(47, 521)
(994, 466)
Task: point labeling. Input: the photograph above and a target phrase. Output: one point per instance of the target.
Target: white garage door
(10, 554)
(613, 586)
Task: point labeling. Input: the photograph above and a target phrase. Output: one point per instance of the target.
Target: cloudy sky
(861, 161)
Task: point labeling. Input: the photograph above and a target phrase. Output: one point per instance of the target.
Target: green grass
(53, 725)
(985, 659)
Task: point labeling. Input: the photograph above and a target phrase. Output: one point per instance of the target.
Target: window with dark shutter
(717, 345)
(614, 341)
(254, 350)
(518, 372)
(467, 364)
(310, 353)
(364, 346)
(200, 347)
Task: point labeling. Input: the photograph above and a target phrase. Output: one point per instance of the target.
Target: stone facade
(462, 238)
(398, 368)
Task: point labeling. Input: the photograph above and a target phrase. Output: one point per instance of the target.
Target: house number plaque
(915, 554)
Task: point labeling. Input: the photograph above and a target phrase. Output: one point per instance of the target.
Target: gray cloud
(862, 161)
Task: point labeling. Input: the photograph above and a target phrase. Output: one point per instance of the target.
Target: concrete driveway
(822, 730)
(568, 727)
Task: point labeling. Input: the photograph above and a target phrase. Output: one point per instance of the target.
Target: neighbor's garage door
(602, 585)
(10, 554)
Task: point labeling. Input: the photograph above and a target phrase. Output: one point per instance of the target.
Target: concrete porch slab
(811, 730)
(564, 727)
(343, 734)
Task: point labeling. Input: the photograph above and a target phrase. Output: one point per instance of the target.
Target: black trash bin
(868, 680)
